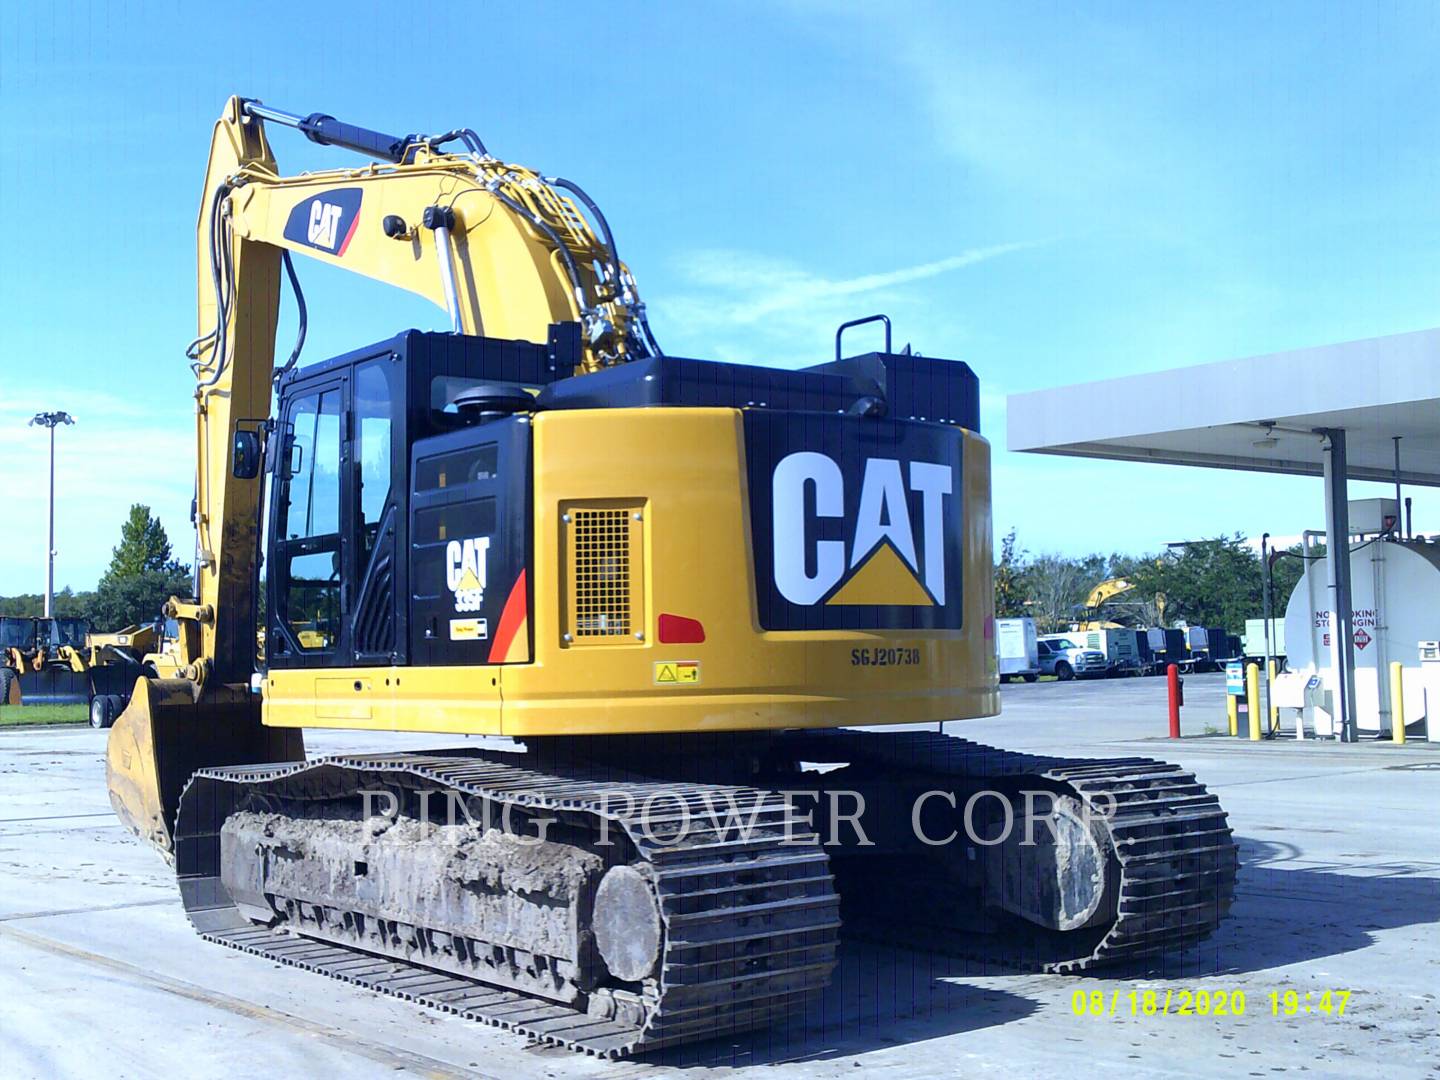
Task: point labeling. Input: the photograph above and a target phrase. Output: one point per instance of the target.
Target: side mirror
(245, 458)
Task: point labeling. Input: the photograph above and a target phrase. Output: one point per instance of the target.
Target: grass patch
(10, 715)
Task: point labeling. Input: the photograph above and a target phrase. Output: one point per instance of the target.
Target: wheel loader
(36, 666)
(674, 590)
(111, 662)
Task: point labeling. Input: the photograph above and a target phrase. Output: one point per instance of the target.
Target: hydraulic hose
(609, 240)
(301, 314)
(219, 276)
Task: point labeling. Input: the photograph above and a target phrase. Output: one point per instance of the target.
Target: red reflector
(678, 630)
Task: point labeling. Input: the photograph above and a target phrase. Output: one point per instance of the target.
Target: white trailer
(1015, 649)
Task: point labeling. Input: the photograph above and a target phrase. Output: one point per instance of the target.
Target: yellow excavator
(675, 585)
(1093, 618)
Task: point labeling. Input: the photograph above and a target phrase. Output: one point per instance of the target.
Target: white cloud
(790, 311)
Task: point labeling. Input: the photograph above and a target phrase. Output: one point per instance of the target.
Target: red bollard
(1172, 679)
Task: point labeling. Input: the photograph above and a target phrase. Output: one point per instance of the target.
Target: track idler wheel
(627, 923)
(1055, 868)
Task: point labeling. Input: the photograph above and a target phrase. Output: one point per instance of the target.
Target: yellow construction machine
(671, 582)
(109, 663)
(36, 666)
(1102, 594)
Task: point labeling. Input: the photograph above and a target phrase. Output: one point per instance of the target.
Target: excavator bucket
(54, 686)
(168, 731)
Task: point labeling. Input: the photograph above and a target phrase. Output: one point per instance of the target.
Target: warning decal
(669, 672)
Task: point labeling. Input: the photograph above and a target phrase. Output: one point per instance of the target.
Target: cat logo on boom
(465, 571)
(880, 565)
(324, 217)
(325, 222)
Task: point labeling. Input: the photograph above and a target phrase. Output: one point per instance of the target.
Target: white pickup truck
(1061, 657)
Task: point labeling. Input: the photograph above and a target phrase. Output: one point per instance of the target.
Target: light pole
(51, 420)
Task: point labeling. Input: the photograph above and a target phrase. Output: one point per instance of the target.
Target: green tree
(143, 574)
(1010, 578)
(143, 546)
(1286, 569)
(68, 604)
(1208, 583)
(1055, 586)
(127, 601)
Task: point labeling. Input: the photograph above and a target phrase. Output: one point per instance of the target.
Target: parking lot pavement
(1340, 890)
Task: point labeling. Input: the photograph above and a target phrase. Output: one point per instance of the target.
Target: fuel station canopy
(1334, 411)
(1224, 415)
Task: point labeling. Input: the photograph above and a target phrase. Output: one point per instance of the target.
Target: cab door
(306, 579)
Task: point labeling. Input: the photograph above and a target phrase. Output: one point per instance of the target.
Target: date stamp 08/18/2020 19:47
(1213, 1003)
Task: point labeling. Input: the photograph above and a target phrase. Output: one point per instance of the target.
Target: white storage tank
(1395, 595)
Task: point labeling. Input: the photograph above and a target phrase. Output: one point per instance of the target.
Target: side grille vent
(603, 549)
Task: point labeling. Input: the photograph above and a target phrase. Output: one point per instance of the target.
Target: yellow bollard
(1232, 710)
(1252, 699)
(1270, 696)
(1397, 702)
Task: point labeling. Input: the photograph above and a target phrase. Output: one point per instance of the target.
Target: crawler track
(1171, 838)
(750, 925)
(750, 915)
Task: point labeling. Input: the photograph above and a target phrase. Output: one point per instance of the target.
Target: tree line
(142, 575)
(1217, 582)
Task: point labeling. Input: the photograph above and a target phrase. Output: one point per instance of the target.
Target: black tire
(117, 706)
(104, 708)
(1031, 678)
(1063, 671)
(7, 676)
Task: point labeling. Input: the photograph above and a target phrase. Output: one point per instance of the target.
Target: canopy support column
(1337, 558)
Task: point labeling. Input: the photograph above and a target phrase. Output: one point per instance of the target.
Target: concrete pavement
(101, 974)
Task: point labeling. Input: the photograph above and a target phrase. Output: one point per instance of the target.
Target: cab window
(372, 428)
(310, 548)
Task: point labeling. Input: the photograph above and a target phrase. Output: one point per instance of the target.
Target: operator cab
(58, 632)
(17, 632)
(345, 528)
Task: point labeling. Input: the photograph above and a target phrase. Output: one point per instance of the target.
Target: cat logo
(325, 222)
(878, 565)
(324, 218)
(465, 571)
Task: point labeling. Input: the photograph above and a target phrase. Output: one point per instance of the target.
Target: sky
(1051, 192)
